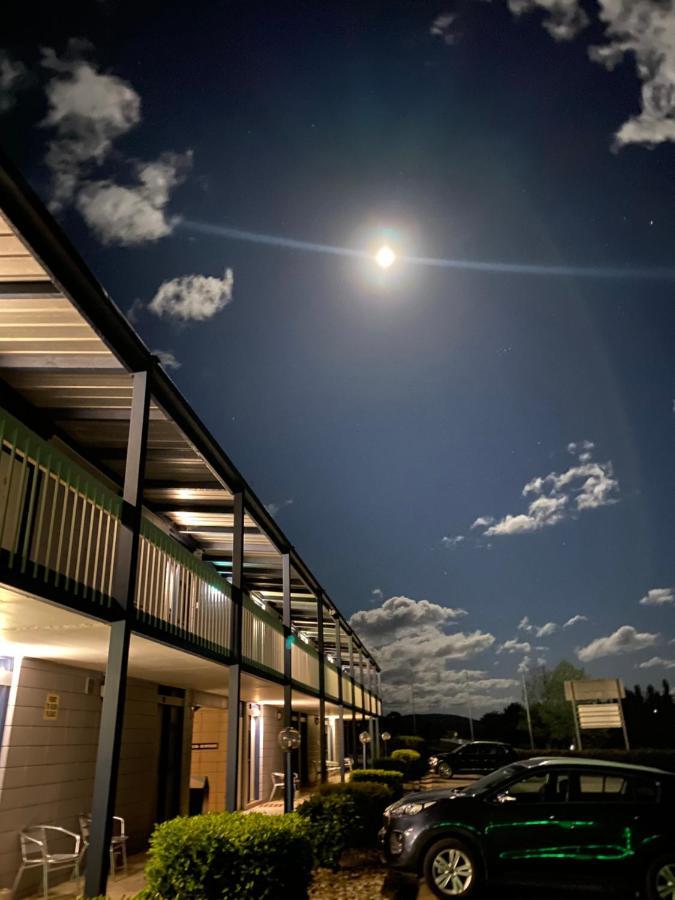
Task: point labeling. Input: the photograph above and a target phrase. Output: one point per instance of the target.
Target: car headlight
(433, 760)
(412, 808)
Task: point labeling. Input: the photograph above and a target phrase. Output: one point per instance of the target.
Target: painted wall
(47, 764)
(209, 726)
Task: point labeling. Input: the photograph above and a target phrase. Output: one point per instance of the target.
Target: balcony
(59, 528)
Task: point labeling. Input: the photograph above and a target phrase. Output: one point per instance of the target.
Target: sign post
(596, 704)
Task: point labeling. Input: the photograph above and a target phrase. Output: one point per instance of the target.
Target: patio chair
(349, 763)
(49, 848)
(279, 781)
(118, 841)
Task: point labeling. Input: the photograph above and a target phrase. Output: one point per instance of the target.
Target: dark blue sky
(395, 410)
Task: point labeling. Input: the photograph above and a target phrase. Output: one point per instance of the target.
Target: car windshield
(494, 779)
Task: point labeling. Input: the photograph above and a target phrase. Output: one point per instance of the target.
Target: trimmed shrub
(229, 856)
(387, 763)
(410, 742)
(657, 759)
(393, 778)
(406, 755)
(344, 816)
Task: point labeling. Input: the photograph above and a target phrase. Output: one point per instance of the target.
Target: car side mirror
(505, 797)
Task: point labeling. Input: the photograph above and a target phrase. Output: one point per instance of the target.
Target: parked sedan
(548, 822)
(476, 757)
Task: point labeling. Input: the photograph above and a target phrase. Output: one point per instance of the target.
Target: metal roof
(67, 355)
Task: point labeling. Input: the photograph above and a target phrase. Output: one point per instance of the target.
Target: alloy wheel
(444, 770)
(665, 882)
(452, 872)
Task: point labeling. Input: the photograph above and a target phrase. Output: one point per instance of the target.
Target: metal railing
(331, 679)
(179, 593)
(262, 638)
(305, 664)
(58, 524)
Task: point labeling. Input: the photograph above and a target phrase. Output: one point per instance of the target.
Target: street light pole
(527, 710)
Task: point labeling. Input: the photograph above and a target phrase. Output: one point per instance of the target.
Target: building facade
(157, 628)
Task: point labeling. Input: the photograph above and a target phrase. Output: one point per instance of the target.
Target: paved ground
(122, 887)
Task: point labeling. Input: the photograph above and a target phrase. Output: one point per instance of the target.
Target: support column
(340, 748)
(124, 587)
(323, 769)
(234, 676)
(352, 700)
(288, 687)
(363, 698)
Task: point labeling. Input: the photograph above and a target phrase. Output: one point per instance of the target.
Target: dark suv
(559, 822)
(476, 756)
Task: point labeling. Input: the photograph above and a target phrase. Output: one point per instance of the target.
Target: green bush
(387, 763)
(393, 778)
(344, 816)
(658, 759)
(230, 856)
(406, 755)
(410, 742)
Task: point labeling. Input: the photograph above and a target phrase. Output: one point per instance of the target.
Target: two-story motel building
(155, 622)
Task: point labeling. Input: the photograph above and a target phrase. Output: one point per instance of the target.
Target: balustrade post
(124, 587)
(340, 749)
(288, 687)
(323, 769)
(234, 675)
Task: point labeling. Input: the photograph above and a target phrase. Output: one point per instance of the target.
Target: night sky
(381, 415)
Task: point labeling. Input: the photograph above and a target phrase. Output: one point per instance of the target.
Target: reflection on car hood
(441, 794)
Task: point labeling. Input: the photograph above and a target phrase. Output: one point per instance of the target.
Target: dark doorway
(170, 755)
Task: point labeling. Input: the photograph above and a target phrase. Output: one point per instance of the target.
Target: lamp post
(289, 740)
(386, 737)
(364, 737)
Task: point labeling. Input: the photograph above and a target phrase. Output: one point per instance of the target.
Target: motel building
(157, 628)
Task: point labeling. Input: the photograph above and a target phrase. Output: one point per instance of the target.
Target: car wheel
(445, 770)
(661, 878)
(451, 870)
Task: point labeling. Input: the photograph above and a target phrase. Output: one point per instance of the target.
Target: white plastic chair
(279, 781)
(118, 841)
(38, 851)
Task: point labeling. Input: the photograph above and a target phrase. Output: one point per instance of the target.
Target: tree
(552, 715)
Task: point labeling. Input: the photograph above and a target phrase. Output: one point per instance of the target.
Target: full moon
(385, 257)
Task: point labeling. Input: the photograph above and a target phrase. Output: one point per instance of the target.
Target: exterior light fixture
(364, 737)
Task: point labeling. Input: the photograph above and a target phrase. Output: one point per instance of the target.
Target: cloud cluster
(12, 77)
(443, 28)
(166, 359)
(575, 620)
(414, 649)
(513, 645)
(132, 214)
(558, 496)
(88, 111)
(624, 640)
(657, 662)
(192, 297)
(539, 631)
(659, 597)
(640, 31)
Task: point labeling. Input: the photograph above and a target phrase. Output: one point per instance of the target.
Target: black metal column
(363, 702)
(124, 586)
(323, 769)
(341, 717)
(288, 688)
(355, 734)
(234, 677)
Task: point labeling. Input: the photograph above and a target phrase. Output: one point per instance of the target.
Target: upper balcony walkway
(67, 364)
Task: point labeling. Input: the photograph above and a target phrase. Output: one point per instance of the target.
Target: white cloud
(401, 617)
(192, 297)
(166, 359)
(659, 597)
(12, 77)
(274, 508)
(377, 593)
(583, 450)
(482, 521)
(575, 620)
(452, 541)
(559, 496)
(547, 629)
(442, 27)
(133, 214)
(88, 110)
(515, 646)
(639, 31)
(414, 649)
(657, 662)
(624, 640)
(525, 624)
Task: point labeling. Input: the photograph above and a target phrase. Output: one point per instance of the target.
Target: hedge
(229, 856)
(658, 759)
(406, 756)
(344, 816)
(391, 778)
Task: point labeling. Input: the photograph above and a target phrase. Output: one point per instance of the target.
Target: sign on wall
(51, 708)
(596, 703)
